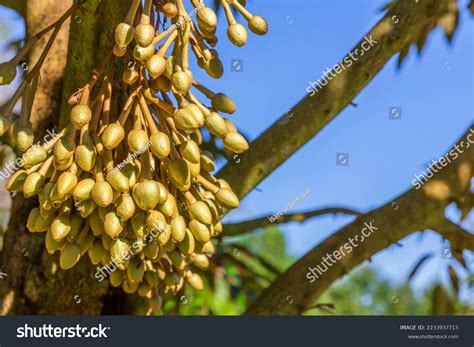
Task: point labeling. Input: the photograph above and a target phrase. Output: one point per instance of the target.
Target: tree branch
(458, 237)
(16, 5)
(234, 229)
(313, 113)
(415, 210)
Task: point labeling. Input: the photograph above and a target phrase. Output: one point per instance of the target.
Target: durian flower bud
(96, 253)
(33, 184)
(200, 231)
(165, 236)
(60, 227)
(70, 255)
(96, 224)
(124, 34)
(187, 246)
(5, 124)
(160, 84)
(207, 18)
(160, 144)
(119, 52)
(156, 222)
(179, 174)
(214, 67)
(7, 73)
(127, 286)
(24, 137)
(207, 163)
(135, 271)
(113, 136)
(15, 184)
(194, 169)
(116, 278)
(86, 156)
(138, 141)
(178, 260)
(63, 165)
(223, 103)
(52, 245)
(200, 211)
(143, 53)
(195, 281)
(86, 208)
(32, 217)
(189, 150)
(64, 149)
(118, 249)
(34, 155)
(216, 125)
(178, 228)
(44, 196)
(201, 261)
(129, 76)
(151, 250)
(237, 34)
(118, 180)
(226, 198)
(258, 25)
(102, 194)
(169, 207)
(76, 224)
(80, 116)
(230, 126)
(131, 171)
(113, 225)
(82, 191)
(139, 225)
(144, 34)
(125, 207)
(170, 10)
(146, 194)
(66, 183)
(156, 65)
(181, 82)
(185, 120)
(196, 113)
(236, 142)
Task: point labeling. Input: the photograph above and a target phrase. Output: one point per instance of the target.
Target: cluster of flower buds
(127, 181)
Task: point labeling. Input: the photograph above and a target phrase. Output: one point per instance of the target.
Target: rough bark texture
(35, 284)
(415, 210)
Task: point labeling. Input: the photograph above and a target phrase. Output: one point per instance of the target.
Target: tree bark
(34, 283)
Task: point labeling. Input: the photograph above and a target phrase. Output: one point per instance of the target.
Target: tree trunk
(34, 283)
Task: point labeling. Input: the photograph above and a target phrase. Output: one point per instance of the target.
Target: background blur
(269, 75)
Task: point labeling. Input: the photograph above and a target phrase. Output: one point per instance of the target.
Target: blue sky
(434, 91)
